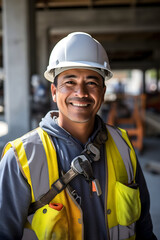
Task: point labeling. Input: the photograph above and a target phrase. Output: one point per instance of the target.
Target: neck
(81, 131)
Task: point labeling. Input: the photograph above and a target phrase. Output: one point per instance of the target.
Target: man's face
(79, 95)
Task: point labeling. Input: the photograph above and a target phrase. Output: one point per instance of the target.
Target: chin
(80, 120)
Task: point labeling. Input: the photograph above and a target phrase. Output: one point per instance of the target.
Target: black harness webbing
(79, 165)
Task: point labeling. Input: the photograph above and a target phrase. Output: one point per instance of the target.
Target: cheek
(98, 95)
(62, 89)
(101, 94)
(61, 98)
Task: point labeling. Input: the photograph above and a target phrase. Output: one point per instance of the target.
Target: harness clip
(94, 151)
(76, 163)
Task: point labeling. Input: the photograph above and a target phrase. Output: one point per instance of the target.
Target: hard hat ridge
(78, 50)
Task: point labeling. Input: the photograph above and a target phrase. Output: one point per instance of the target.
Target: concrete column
(16, 66)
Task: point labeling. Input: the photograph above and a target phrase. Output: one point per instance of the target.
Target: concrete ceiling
(126, 47)
(133, 49)
(131, 41)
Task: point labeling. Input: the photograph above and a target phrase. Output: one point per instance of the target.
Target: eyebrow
(70, 76)
(93, 77)
(74, 76)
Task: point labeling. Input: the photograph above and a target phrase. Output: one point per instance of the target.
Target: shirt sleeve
(144, 228)
(15, 198)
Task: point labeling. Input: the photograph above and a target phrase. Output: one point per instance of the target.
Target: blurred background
(129, 30)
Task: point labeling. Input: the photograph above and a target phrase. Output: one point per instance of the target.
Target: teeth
(79, 105)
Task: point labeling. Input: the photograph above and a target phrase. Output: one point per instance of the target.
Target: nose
(81, 90)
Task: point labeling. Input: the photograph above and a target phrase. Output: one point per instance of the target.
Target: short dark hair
(55, 81)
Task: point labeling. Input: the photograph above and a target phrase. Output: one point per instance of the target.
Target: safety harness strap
(80, 165)
(56, 188)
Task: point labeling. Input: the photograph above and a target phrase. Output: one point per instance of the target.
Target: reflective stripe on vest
(36, 156)
(121, 162)
(121, 232)
(124, 151)
(40, 157)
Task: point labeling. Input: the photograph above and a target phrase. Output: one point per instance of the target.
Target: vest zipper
(106, 195)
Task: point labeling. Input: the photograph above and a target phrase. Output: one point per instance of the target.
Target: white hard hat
(78, 50)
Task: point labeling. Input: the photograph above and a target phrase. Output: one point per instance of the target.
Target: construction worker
(74, 177)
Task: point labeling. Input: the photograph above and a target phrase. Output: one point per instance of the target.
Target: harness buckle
(92, 149)
(81, 165)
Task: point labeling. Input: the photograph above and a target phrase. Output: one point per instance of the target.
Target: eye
(92, 83)
(70, 82)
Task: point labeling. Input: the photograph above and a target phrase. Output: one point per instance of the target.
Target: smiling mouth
(80, 104)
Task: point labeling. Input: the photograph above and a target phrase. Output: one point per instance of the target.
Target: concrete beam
(143, 65)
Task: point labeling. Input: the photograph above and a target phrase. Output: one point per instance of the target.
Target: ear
(53, 91)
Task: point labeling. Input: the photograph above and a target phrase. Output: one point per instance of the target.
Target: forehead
(80, 72)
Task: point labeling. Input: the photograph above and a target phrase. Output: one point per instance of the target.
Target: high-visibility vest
(36, 155)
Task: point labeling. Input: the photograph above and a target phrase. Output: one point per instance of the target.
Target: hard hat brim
(49, 73)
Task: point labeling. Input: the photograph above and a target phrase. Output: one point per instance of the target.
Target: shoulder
(8, 159)
(9, 169)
